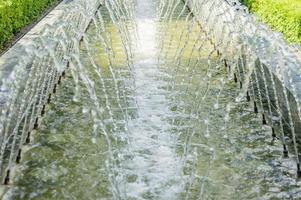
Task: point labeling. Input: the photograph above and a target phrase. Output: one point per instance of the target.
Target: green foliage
(16, 14)
(282, 15)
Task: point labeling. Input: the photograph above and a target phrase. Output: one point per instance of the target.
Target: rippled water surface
(167, 125)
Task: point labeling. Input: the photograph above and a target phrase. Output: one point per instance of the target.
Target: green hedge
(282, 15)
(16, 14)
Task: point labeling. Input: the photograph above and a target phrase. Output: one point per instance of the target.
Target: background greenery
(16, 14)
(282, 15)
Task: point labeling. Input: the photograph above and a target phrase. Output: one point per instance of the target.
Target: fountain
(272, 77)
(30, 73)
(165, 99)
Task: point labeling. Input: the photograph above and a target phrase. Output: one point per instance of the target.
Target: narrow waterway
(169, 127)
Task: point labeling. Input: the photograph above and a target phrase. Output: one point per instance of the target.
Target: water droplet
(216, 106)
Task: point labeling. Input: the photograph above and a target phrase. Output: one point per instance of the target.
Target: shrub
(16, 14)
(282, 15)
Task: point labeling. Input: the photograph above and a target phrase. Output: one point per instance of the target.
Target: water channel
(154, 117)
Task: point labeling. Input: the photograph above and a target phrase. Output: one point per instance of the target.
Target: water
(148, 110)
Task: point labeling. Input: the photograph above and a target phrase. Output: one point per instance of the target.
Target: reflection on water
(168, 125)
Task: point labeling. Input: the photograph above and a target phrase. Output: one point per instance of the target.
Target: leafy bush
(282, 15)
(16, 14)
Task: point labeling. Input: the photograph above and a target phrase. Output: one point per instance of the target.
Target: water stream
(148, 110)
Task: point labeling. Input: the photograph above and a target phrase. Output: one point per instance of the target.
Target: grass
(16, 14)
(281, 15)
